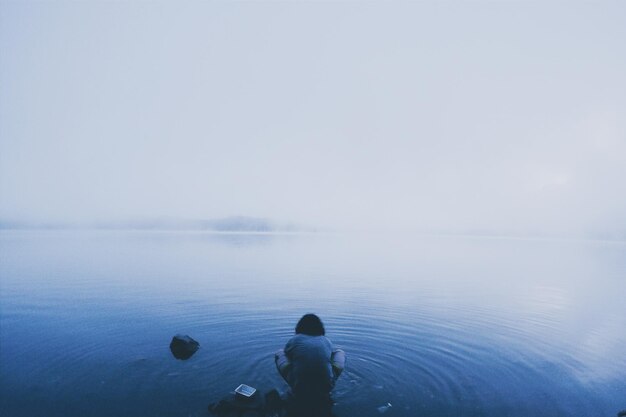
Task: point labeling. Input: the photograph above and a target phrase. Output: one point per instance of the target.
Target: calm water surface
(436, 326)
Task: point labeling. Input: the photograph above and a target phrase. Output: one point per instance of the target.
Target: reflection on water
(436, 326)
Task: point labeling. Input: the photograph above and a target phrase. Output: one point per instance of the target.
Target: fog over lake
(496, 117)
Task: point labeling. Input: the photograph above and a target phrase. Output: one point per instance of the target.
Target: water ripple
(101, 329)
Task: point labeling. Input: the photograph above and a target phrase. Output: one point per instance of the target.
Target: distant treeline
(226, 224)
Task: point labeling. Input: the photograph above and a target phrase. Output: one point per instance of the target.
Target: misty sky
(499, 116)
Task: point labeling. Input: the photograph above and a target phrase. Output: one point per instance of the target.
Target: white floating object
(245, 391)
(384, 408)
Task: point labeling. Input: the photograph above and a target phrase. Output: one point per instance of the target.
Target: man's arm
(282, 364)
(338, 361)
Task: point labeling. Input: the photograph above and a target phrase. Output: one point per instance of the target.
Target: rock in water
(183, 347)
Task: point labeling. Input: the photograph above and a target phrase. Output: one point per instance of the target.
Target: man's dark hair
(310, 325)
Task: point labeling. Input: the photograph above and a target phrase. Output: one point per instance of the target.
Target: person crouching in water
(311, 367)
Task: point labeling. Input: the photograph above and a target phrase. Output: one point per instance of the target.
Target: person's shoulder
(296, 337)
(307, 338)
(295, 340)
(321, 340)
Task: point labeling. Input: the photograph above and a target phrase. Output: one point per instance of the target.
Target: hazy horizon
(506, 117)
(245, 224)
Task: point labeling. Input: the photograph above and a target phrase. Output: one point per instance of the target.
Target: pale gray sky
(500, 116)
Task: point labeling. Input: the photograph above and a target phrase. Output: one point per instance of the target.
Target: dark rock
(257, 406)
(234, 406)
(621, 413)
(183, 347)
(273, 404)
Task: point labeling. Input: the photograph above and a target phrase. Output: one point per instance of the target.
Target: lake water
(436, 326)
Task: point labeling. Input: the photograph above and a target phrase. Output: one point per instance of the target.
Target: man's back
(310, 358)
